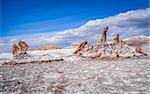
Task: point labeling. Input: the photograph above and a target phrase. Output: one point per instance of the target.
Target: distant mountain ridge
(138, 41)
(46, 47)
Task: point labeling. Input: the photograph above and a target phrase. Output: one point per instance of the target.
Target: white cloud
(129, 24)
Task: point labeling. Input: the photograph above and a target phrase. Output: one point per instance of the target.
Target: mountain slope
(139, 41)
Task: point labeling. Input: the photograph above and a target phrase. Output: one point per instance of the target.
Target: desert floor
(76, 76)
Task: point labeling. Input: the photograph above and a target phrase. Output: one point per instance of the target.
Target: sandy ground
(77, 77)
(74, 75)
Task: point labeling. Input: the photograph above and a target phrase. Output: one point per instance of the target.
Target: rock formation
(15, 49)
(23, 46)
(81, 46)
(118, 40)
(20, 49)
(138, 49)
(117, 49)
(104, 36)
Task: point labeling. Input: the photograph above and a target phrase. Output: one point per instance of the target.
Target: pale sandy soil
(79, 77)
(75, 75)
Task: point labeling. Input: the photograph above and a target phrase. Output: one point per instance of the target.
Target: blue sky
(20, 17)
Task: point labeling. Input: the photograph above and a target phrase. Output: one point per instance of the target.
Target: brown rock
(118, 40)
(23, 45)
(81, 46)
(104, 36)
(122, 42)
(15, 49)
(96, 55)
(138, 49)
(20, 49)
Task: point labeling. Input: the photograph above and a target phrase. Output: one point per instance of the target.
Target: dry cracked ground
(130, 76)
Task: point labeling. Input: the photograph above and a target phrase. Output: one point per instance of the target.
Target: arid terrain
(74, 74)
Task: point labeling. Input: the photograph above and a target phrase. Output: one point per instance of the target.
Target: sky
(19, 17)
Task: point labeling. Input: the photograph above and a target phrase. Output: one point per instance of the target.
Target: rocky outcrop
(81, 46)
(104, 36)
(23, 46)
(138, 49)
(110, 51)
(19, 51)
(15, 49)
(118, 40)
(116, 49)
